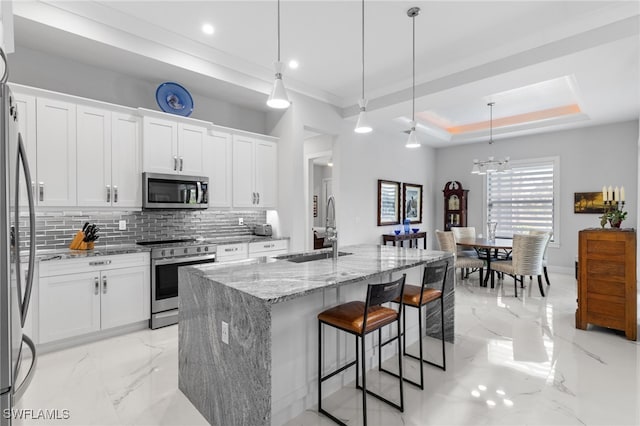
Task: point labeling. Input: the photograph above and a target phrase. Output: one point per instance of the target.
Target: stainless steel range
(166, 257)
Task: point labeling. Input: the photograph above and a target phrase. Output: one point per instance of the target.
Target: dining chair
(544, 256)
(463, 233)
(447, 242)
(526, 259)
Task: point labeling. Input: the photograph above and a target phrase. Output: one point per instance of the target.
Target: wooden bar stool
(417, 297)
(360, 319)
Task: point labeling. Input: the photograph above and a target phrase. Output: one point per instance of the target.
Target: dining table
(488, 249)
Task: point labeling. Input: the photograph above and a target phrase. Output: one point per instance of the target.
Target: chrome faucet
(330, 225)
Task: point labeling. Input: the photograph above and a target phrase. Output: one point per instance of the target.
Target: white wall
(359, 161)
(589, 158)
(38, 69)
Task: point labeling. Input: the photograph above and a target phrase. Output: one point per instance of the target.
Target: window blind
(522, 199)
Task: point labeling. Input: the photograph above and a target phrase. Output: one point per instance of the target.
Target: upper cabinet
(173, 147)
(108, 160)
(217, 166)
(255, 172)
(26, 105)
(56, 152)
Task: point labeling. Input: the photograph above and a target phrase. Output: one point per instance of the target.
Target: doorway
(318, 154)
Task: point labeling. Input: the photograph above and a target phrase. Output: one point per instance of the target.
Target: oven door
(164, 280)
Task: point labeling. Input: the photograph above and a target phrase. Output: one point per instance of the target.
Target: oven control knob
(206, 249)
(199, 250)
(186, 251)
(162, 253)
(171, 252)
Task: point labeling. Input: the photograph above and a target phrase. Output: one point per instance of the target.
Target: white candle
(617, 194)
(604, 193)
(622, 198)
(610, 193)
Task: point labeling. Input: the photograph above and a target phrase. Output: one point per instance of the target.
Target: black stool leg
(420, 343)
(320, 366)
(364, 383)
(444, 358)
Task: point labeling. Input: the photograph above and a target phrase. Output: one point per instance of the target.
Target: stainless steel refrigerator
(17, 255)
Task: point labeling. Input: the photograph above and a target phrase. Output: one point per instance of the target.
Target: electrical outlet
(122, 225)
(225, 332)
(240, 221)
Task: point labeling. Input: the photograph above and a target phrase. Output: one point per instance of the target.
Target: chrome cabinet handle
(181, 163)
(175, 163)
(96, 289)
(33, 187)
(269, 245)
(104, 284)
(231, 249)
(108, 193)
(115, 194)
(258, 202)
(41, 191)
(255, 198)
(100, 262)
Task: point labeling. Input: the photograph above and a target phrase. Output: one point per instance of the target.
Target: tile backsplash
(55, 229)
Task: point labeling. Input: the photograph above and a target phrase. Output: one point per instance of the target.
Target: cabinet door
(191, 141)
(69, 305)
(125, 296)
(217, 166)
(94, 156)
(56, 153)
(243, 172)
(159, 145)
(126, 175)
(26, 105)
(266, 173)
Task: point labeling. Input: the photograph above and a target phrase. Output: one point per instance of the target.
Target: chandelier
(490, 165)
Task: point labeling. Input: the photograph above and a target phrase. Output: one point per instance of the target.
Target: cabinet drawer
(52, 268)
(232, 252)
(268, 246)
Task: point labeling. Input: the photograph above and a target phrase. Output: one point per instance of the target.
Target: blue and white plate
(174, 99)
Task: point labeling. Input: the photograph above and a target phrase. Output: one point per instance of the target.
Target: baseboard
(91, 337)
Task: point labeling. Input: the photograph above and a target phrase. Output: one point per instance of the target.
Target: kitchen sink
(311, 257)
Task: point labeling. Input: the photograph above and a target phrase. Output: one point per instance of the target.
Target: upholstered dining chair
(463, 233)
(544, 256)
(526, 259)
(447, 242)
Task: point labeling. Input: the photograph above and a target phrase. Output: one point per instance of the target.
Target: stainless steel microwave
(164, 191)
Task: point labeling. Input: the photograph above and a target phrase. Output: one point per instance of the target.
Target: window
(524, 198)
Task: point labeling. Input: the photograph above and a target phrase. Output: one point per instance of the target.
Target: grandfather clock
(455, 205)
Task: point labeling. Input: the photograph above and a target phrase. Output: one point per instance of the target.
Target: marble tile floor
(515, 362)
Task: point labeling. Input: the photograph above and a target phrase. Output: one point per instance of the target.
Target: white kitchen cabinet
(56, 153)
(255, 172)
(126, 151)
(26, 105)
(172, 147)
(93, 156)
(217, 166)
(81, 296)
(268, 248)
(108, 158)
(229, 252)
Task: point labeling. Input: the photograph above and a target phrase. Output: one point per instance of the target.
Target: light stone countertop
(115, 249)
(276, 280)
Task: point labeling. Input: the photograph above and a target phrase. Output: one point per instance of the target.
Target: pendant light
(278, 98)
(363, 126)
(490, 165)
(412, 142)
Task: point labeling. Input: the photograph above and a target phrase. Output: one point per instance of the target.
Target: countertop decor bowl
(397, 231)
(415, 230)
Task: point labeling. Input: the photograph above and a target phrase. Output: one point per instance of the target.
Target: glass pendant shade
(363, 126)
(412, 142)
(278, 98)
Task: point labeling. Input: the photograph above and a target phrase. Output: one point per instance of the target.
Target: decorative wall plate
(174, 99)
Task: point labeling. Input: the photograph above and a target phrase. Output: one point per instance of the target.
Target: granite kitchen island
(266, 373)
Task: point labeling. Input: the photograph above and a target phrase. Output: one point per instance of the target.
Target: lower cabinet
(95, 295)
(268, 248)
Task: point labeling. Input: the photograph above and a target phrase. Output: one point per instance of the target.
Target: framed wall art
(412, 202)
(588, 202)
(388, 202)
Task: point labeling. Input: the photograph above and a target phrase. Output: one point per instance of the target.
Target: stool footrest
(339, 370)
(425, 361)
(382, 398)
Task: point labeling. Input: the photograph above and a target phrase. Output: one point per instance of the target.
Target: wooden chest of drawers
(607, 280)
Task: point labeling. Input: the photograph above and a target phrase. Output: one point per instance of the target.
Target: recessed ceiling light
(293, 64)
(208, 29)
